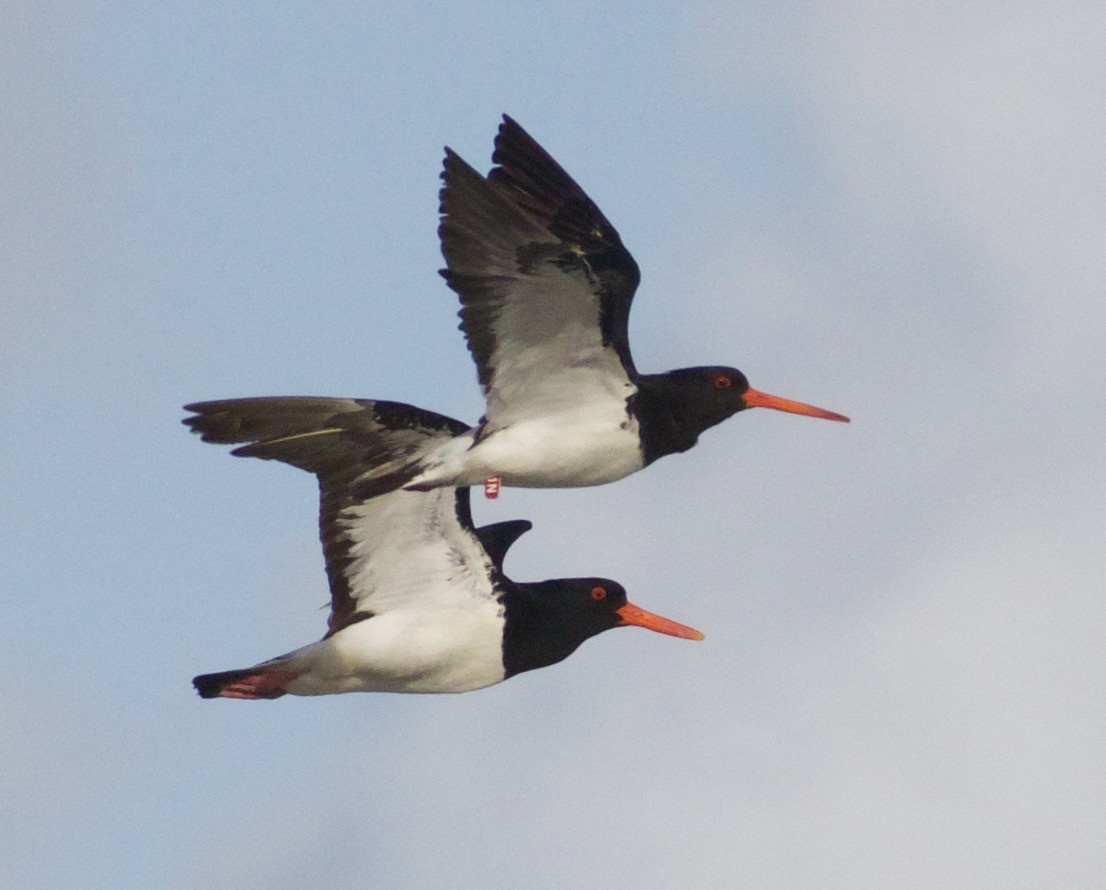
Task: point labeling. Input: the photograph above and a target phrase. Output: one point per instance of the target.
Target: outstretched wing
(544, 281)
(396, 550)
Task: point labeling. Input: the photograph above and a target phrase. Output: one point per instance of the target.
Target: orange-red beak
(631, 614)
(756, 399)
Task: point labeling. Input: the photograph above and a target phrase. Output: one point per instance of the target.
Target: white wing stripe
(409, 549)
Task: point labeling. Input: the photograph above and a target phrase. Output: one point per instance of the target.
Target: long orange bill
(756, 399)
(631, 614)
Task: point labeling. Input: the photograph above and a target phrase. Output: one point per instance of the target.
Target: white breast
(572, 449)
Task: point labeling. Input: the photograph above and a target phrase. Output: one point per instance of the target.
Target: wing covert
(385, 552)
(544, 283)
(400, 550)
(542, 187)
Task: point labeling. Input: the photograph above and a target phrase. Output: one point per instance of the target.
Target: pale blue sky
(895, 211)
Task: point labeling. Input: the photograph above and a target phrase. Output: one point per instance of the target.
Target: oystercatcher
(545, 286)
(419, 600)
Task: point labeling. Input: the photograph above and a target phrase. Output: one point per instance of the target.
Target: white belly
(408, 651)
(559, 451)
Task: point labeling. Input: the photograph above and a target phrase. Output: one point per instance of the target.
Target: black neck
(536, 632)
(667, 422)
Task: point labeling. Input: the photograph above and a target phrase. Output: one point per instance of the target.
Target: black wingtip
(449, 161)
(498, 538)
(196, 409)
(196, 422)
(210, 423)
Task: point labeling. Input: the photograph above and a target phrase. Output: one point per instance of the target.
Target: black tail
(263, 681)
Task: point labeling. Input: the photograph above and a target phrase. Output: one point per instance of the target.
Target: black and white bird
(545, 286)
(419, 600)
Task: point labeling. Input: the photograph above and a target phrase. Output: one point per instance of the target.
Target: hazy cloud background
(896, 211)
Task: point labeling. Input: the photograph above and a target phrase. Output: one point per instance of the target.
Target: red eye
(722, 381)
(598, 593)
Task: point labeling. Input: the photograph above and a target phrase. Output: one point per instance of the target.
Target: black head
(547, 621)
(711, 393)
(674, 408)
(591, 604)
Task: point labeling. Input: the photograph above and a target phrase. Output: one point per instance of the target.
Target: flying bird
(545, 287)
(419, 599)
